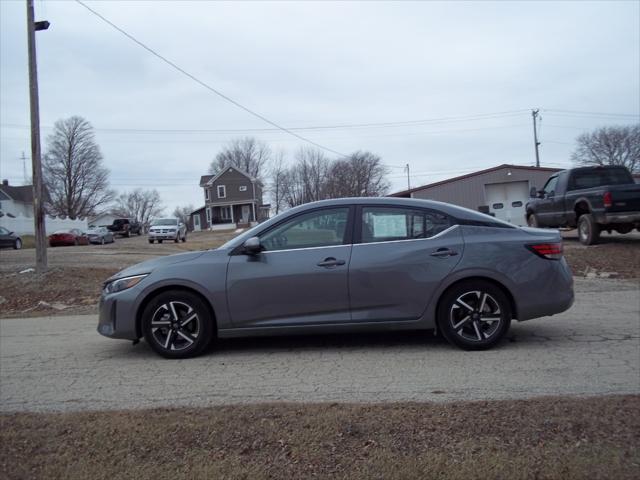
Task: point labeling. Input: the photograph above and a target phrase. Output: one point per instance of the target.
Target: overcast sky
(304, 64)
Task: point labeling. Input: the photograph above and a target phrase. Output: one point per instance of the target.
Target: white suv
(167, 229)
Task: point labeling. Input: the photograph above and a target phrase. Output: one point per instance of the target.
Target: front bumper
(163, 236)
(117, 314)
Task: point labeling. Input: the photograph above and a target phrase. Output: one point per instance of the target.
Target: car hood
(149, 265)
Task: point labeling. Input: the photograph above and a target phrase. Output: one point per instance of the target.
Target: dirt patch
(615, 256)
(70, 290)
(543, 438)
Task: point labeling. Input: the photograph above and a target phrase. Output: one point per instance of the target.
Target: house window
(243, 188)
(222, 191)
(206, 194)
(225, 213)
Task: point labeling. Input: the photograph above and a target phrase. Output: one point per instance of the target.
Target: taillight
(608, 201)
(551, 251)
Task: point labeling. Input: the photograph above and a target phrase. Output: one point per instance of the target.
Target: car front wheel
(177, 324)
(474, 315)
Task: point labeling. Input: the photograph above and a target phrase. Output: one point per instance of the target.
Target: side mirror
(252, 246)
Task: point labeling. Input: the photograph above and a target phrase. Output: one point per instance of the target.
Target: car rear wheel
(17, 245)
(177, 324)
(474, 315)
(588, 230)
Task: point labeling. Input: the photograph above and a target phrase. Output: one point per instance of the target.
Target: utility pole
(408, 177)
(24, 169)
(38, 191)
(534, 114)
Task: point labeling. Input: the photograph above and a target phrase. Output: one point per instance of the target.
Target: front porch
(237, 215)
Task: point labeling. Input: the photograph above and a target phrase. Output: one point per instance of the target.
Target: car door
(402, 257)
(301, 276)
(545, 205)
(5, 239)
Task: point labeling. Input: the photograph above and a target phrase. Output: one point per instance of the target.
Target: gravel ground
(62, 364)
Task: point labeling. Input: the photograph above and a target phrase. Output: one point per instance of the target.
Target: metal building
(502, 191)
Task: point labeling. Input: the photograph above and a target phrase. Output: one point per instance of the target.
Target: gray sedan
(100, 235)
(346, 265)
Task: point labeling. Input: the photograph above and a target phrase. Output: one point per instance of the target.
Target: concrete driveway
(62, 364)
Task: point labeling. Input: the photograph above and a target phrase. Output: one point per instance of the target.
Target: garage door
(507, 200)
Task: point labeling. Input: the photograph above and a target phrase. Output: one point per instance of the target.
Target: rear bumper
(607, 218)
(554, 295)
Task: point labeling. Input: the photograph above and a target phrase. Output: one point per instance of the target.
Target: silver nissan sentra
(356, 264)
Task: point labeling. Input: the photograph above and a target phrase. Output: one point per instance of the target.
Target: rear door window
(385, 224)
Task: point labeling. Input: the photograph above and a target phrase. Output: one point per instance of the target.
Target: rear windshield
(599, 177)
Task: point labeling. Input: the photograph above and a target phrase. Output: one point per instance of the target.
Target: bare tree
(140, 205)
(360, 175)
(184, 214)
(74, 176)
(277, 186)
(246, 153)
(617, 145)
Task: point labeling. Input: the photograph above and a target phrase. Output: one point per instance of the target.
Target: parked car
(9, 239)
(345, 265)
(68, 237)
(100, 235)
(125, 227)
(167, 229)
(592, 199)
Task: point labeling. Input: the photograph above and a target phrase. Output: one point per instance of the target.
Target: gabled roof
(209, 179)
(404, 193)
(197, 210)
(22, 193)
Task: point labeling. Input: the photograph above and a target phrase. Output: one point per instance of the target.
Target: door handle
(330, 262)
(444, 252)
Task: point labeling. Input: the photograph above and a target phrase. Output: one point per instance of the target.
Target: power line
(601, 114)
(205, 85)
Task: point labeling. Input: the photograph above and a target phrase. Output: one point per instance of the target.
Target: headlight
(123, 283)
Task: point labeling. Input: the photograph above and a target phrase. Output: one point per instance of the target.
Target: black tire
(150, 241)
(102, 242)
(532, 220)
(461, 321)
(159, 241)
(17, 245)
(588, 230)
(128, 234)
(181, 337)
(177, 239)
(184, 239)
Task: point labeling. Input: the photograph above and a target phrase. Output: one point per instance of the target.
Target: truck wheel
(159, 241)
(150, 241)
(532, 221)
(128, 234)
(588, 230)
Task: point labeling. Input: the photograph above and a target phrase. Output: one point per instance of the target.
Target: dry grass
(543, 438)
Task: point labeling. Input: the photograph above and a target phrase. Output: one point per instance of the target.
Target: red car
(72, 236)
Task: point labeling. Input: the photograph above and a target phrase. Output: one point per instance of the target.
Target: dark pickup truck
(591, 199)
(125, 227)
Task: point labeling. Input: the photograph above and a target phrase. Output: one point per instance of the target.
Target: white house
(16, 201)
(103, 219)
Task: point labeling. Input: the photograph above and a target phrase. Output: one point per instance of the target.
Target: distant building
(16, 201)
(502, 191)
(232, 199)
(103, 219)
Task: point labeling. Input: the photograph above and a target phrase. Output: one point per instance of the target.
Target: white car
(167, 229)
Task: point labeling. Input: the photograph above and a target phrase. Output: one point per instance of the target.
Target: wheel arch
(165, 288)
(512, 303)
(580, 207)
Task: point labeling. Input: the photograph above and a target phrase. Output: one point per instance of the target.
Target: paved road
(61, 364)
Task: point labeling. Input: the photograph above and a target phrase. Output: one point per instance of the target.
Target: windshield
(165, 221)
(599, 177)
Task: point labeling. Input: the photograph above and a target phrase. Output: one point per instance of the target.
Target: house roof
(473, 174)
(209, 179)
(198, 210)
(22, 193)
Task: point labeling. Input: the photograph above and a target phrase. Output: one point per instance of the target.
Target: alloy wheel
(175, 326)
(475, 316)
